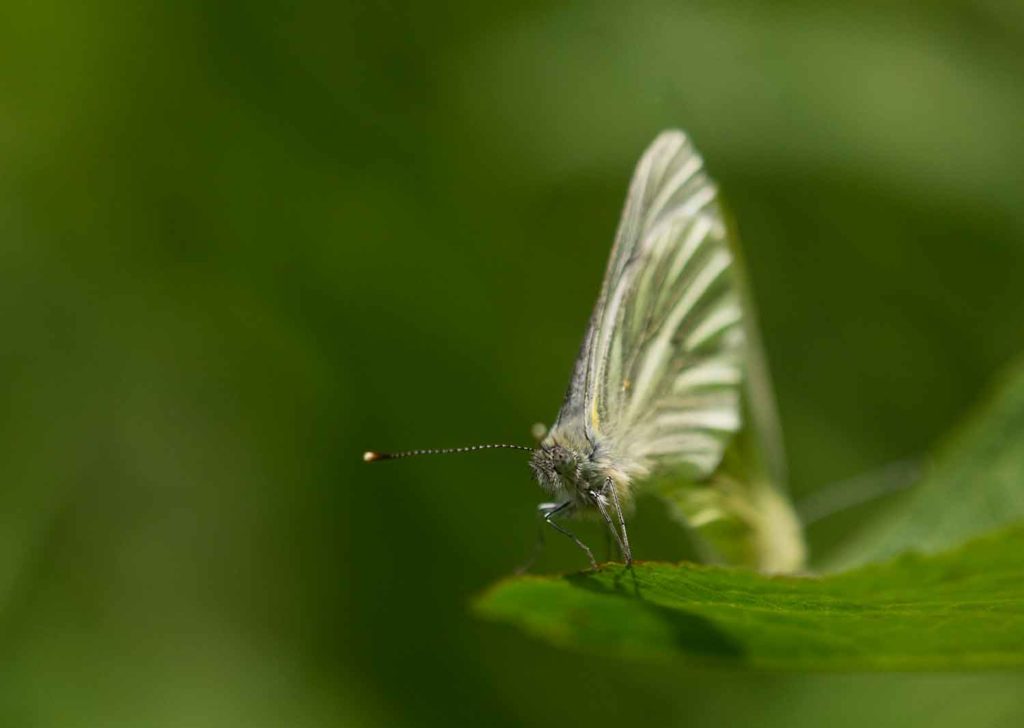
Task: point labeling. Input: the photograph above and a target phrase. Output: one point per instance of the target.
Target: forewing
(659, 376)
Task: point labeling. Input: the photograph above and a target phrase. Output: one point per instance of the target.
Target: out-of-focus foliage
(975, 483)
(241, 243)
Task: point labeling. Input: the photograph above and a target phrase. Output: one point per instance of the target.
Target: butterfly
(670, 393)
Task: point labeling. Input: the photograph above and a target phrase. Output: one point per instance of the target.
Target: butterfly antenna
(371, 456)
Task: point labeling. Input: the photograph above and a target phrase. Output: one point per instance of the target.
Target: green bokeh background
(242, 242)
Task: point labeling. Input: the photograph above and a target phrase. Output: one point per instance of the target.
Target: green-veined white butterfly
(670, 391)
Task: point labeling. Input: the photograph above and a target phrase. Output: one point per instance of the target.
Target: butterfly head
(556, 467)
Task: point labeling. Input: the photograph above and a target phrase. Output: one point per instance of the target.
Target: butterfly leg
(549, 511)
(602, 508)
(542, 510)
(627, 552)
(623, 539)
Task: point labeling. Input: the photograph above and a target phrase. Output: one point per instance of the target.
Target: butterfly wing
(665, 377)
(659, 372)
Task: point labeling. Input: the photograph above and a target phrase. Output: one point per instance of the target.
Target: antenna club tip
(369, 456)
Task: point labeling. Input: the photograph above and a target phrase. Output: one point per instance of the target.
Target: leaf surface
(962, 609)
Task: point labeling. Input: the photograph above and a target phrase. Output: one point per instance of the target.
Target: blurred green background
(242, 242)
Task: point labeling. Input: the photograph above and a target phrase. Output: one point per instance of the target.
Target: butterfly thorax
(576, 475)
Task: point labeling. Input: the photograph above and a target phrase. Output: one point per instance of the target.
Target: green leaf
(963, 609)
(974, 484)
